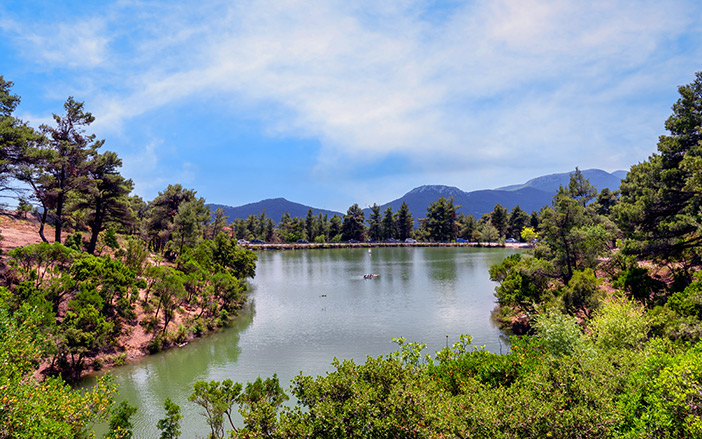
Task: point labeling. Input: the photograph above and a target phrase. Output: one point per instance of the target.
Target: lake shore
(329, 245)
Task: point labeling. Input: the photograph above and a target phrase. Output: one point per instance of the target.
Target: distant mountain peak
(441, 190)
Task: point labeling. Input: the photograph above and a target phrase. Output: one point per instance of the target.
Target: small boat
(370, 276)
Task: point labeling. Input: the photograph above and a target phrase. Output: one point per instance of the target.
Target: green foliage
(637, 281)
(259, 404)
(106, 200)
(39, 262)
(67, 147)
(523, 282)
(120, 360)
(574, 236)
(189, 224)
(667, 397)
(388, 226)
(659, 207)
(375, 223)
(689, 301)
(353, 226)
(488, 233)
(404, 222)
(619, 324)
(217, 399)
(582, 293)
(517, 221)
(467, 227)
(560, 333)
(528, 234)
(170, 425)
(48, 409)
(161, 213)
(441, 219)
(499, 219)
(74, 242)
(83, 330)
(120, 424)
(136, 255)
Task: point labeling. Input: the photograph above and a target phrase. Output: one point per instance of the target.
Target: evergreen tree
(219, 222)
(335, 226)
(309, 225)
(574, 235)
(374, 223)
(441, 220)
(354, 224)
(517, 220)
(405, 222)
(467, 227)
(16, 138)
(58, 167)
(498, 218)
(388, 227)
(106, 197)
(189, 224)
(162, 212)
(660, 204)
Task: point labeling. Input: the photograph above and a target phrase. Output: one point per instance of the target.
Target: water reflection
(311, 306)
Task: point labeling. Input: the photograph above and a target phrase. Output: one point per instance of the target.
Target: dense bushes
(610, 382)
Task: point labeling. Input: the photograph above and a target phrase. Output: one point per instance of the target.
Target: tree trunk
(95, 228)
(59, 219)
(41, 226)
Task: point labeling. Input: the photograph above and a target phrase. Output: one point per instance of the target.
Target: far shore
(327, 245)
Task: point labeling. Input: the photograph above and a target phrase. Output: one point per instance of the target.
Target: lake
(309, 306)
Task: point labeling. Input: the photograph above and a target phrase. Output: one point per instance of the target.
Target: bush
(582, 292)
(120, 360)
(181, 334)
(149, 323)
(689, 301)
(155, 345)
(619, 324)
(636, 281)
(198, 328)
(560, 332)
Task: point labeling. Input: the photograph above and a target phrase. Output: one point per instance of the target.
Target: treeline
(441, 223)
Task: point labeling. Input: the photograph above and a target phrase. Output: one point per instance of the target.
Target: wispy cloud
(447, 86)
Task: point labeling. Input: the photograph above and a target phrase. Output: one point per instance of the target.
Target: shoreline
(134, 355)
(332, 245)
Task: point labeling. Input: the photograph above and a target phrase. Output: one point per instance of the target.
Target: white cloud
(79, 44)
(486, 82)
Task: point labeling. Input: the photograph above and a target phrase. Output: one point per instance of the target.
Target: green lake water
(308, 306)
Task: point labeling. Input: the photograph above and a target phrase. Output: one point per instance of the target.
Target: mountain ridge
(530, 196)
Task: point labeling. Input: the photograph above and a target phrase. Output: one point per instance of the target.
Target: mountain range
(530, 196)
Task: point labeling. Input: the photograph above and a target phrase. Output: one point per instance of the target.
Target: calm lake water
(309, 306)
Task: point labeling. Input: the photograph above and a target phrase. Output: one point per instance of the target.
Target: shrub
(155, 345)
(619, 323)
(582, 292)
(120, 360)
(149, 323)
(560, 332)
(181, 334)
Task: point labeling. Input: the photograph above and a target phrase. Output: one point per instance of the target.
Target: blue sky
(331, 103)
